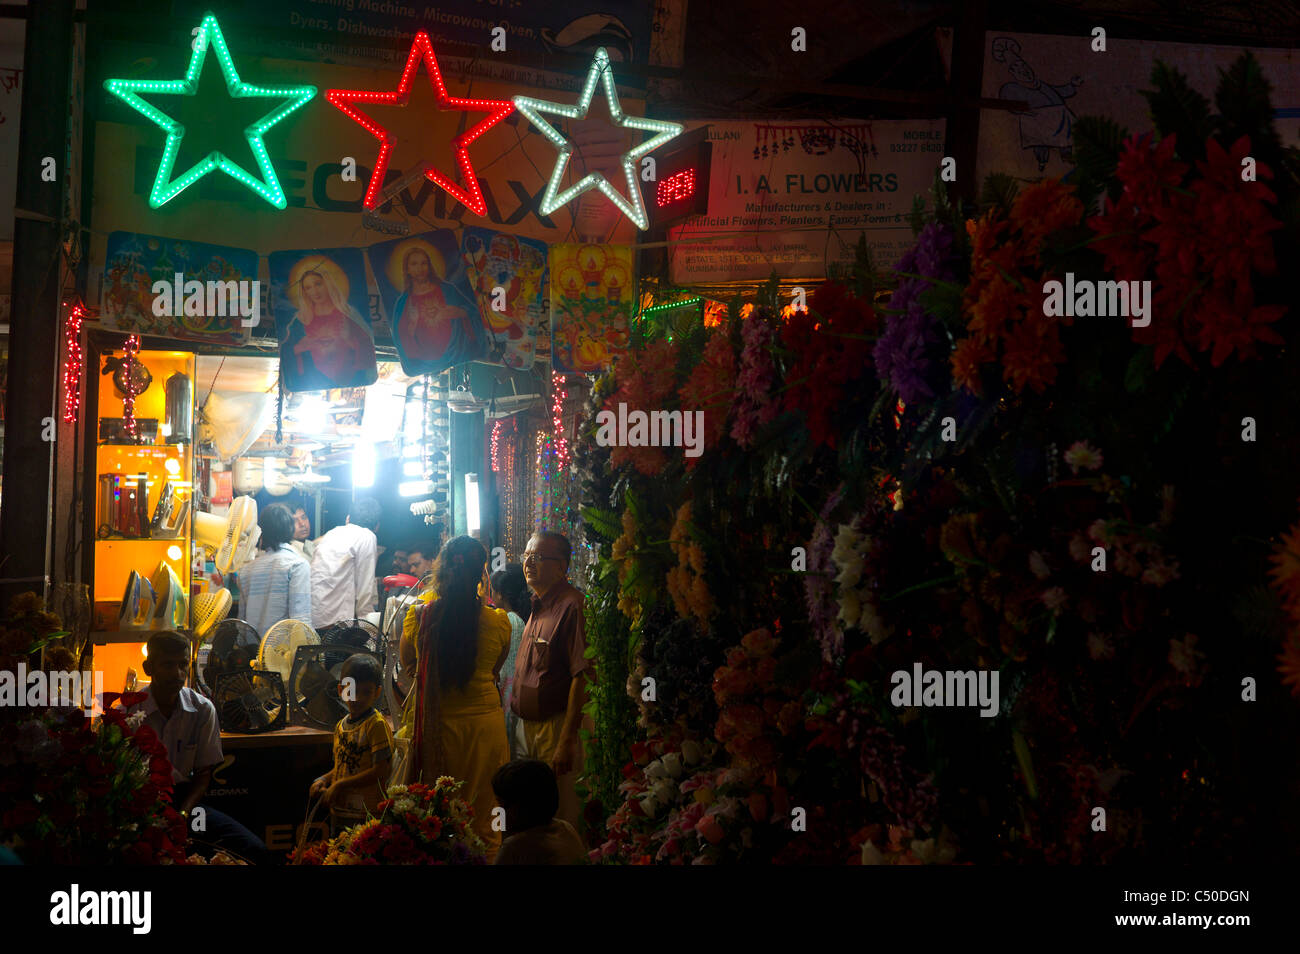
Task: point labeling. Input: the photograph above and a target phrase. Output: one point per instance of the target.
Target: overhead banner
(320, 297)
(593, 294)
(795, 197)
(509, 276)
(345, 30)
(431, 309)
(135, 265)
(1060, 78)
(323, 161)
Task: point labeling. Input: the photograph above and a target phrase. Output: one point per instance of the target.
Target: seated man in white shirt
(186, 723)
(343, 568)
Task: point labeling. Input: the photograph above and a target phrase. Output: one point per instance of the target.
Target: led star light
(164, 187)
(421, 49)
(552, 199)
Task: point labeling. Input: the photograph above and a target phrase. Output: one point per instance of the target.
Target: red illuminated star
(471, 196)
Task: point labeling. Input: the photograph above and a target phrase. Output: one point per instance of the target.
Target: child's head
(527, 790)
(359, 682)
(167, 663)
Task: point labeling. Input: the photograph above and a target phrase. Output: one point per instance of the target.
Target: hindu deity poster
(517, 267)
(321, 304)
(431, 308)
(592, 301)
(133, 265)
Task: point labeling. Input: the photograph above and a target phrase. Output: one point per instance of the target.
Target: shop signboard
(323, 161)
(796, 196)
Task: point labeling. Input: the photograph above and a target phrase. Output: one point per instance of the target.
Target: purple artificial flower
(754, 405)
(819, 593)
(905, 354)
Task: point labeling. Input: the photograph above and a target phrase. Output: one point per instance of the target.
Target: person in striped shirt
(277, 585)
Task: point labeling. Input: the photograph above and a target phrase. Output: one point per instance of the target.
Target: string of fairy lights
(128, 402)
(74, 363)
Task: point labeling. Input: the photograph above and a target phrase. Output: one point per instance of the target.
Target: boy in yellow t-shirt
(363, 748)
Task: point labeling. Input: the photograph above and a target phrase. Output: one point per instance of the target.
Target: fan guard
(251, 701)
(232, 647)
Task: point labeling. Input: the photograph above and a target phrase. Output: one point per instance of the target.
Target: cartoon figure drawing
(326, 340)
(1048, 123)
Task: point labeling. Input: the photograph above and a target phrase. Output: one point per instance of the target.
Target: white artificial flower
(673, 763)
(846, 542)
(649, 805)
(135, 719)
(850, 608)
(656, 769)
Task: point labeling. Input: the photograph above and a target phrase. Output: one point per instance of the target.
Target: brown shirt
(550, 654)
(554, 844)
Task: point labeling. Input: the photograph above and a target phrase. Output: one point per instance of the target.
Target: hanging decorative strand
(128, 402)
(558, 396)
(496, 446)
(73, 365)
(279, 409)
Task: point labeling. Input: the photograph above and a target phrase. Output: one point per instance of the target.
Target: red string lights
(421, 49)
(128, 402)
(558, 395)
(74, 362)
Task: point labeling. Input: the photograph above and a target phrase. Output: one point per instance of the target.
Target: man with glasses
(550, 669)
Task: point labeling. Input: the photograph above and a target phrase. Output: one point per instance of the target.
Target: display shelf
(116, 555)
(112, 636)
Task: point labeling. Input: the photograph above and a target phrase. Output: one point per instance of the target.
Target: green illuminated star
(165, 188)
(552, 199)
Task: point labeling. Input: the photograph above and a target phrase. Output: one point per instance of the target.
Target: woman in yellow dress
(456, 647)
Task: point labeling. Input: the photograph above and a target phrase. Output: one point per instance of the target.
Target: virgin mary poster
(319, 297)
(430, 305)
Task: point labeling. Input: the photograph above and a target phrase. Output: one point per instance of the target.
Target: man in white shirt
(343, 568)
(186, 723)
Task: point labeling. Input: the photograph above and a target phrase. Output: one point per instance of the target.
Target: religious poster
(431, 308)
(321, 305)
(516, 266)
(593, 298)
(150, 287)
